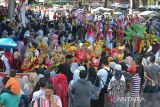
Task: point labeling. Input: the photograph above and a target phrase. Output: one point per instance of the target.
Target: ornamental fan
(86, 44)
(42, 46)
(98, 45)
(72, 48)
(100, 42)
(135, 30)
(66, 46)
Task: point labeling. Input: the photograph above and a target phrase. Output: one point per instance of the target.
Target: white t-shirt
(38, 94)
(103, 74)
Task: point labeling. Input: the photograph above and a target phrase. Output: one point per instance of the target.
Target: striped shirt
(135, 85)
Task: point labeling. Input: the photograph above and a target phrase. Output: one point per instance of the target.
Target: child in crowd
(12, 84)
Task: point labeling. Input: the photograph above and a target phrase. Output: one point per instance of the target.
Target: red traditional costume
(16, 62)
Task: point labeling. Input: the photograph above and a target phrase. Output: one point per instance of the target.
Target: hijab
(74, 66)
(61, 82)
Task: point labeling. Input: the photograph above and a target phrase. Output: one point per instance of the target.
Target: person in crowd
(93, 78)
(4, 81)
(12, 84)
(104, 75)
(128, 78)
(117, 86)
(40, 89)
(26, 86)
(47, 75)
(65, 69)
(16, 62)
(82, 91)
(8, 99)
(151, 74)
(48, 99)
(74, 66)
(140, 71)
(33, 79)
(77, 71)
(135, 86)
(5, 67)
(118, 67)
(61, 87)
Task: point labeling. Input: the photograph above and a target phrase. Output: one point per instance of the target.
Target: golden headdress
(98, 45)
(72, 48)
(65, 47)
(42, 46)
(86, 44)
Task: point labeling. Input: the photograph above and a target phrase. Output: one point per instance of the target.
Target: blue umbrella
(7, 43)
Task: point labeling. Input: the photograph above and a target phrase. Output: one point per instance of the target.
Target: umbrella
(7, 43)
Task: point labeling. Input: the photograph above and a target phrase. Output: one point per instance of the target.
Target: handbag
(109, 99)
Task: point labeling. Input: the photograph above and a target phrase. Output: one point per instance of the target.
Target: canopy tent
(118, 5)
(148, 13)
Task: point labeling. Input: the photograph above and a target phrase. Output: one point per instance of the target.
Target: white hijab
(74, 66)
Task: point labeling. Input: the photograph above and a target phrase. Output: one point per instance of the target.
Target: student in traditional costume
(108, 39)
(41, 64)
(16, 62)
(89, 36)
(27, 65)
(54, 41)
(4, 64)
(44, 53)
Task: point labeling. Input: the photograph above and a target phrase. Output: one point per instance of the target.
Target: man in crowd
(82, 91)
(152, 75)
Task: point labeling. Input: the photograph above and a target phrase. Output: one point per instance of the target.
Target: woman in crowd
(61, 88)
(93, 78)
(117, 86)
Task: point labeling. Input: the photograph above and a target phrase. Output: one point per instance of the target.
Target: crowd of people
(69, 62)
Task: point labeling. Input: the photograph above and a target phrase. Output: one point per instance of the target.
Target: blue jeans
(150, 95)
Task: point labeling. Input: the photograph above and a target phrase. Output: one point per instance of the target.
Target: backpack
(109, 76)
